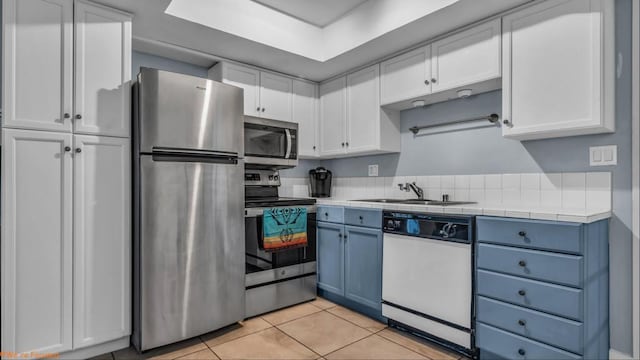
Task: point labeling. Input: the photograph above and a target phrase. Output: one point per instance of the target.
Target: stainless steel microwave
(270, 144)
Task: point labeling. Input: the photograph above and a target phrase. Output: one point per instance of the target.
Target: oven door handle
(288, 152)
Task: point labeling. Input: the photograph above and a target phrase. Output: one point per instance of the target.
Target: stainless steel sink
(417, 202)
(448, 203)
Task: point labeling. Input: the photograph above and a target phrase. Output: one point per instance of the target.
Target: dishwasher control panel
(433, 226)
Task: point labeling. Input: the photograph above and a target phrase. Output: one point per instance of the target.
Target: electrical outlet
(373, 170)
(603, 155)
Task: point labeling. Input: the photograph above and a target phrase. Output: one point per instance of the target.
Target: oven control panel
(261, 178)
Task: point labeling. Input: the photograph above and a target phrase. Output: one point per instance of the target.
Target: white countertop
(556, 214)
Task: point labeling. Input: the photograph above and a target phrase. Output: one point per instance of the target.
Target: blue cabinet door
(330, 258)
(363, 265)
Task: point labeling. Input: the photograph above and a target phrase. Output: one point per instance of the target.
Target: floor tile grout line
(349, 344)
(299, 342)
(408, 348)
(360, 326)
(239, 337)
(288, 321)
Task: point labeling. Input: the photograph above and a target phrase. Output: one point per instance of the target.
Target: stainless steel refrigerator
(188, 206)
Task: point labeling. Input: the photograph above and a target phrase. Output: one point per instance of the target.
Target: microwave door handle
(287, 132)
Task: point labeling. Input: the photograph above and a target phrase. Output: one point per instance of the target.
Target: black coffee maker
(320, 180)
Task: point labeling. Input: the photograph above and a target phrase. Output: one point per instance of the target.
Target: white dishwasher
(427, 281)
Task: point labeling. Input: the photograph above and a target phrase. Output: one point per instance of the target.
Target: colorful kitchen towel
(284, 228)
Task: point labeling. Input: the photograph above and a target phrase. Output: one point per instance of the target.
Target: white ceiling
(159, 33)
(316, 12)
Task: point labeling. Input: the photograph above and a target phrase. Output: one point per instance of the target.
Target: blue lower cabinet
(363, 265)
(542, 289)
(330, 257)
(350, 259)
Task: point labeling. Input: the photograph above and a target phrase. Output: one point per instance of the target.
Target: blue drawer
(555, 299)
(558, 268)
(371, 218)
(553, 330)
(510, 346)
(535, 234)
(333, 214)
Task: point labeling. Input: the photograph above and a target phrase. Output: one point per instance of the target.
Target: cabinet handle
(433, 80)
(522, 233)
(522, 263)
(258, 108)
(340, 236)
(506, 122)
(262, 109)
(326, 214)
(426, 82)
(66, 115)
(360, 217)
(78, 116)
(342, 144)
(347, 144)
(67, 148)
(78, 150)
(522, 292)
(314, 147)
(521, 322)
(521, 352)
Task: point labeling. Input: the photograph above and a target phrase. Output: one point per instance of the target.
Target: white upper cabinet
(433, 73)
(266, 94)
(36, 243)
(558, 77)
(276, 93)
(406, 76)
(246, 78)
(102, 239)
(103, 71)
(333, 117)
(351, 120)
(305, 113)
(363, 109)
(38, 77)
(468, 57)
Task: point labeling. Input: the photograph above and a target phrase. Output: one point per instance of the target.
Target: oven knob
(271, 177)
(276, 177)
(282, 272)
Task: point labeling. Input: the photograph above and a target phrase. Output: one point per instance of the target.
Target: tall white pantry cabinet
(66, 178)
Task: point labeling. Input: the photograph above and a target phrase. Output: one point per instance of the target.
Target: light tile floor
(315, 330)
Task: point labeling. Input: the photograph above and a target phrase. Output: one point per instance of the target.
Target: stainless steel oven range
(275, 279)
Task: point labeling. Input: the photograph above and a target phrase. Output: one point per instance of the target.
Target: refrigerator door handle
(160, 150)
(287, 155)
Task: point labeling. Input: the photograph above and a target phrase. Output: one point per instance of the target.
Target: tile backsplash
(575, 190)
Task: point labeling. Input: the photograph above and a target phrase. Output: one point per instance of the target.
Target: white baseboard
(91, 351)
(617, 355)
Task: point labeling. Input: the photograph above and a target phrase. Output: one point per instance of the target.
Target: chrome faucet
(413, 186)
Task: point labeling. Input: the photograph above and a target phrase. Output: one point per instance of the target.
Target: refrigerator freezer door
(186, 112)
(191, 248)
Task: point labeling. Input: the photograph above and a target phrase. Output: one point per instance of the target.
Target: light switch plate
(603, 155)
(373, 170)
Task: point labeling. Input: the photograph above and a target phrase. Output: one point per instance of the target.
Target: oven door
(270, 143)
(262, 266)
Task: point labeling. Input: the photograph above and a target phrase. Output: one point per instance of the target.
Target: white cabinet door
(275, 96)
(38, 64)
(406, 76)
(333, 117)
(558, 69)
(305, 113)
(466, 58)
(36, 241)
(103, 70)
(249, 80)
(363, 110)
(102, 240)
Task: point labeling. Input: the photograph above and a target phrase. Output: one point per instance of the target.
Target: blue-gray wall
(486, 151)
